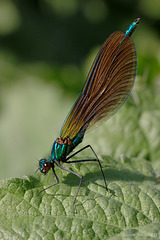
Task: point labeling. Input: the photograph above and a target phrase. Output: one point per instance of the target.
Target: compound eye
(44, 166)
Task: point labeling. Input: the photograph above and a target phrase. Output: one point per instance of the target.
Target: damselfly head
(44, 166)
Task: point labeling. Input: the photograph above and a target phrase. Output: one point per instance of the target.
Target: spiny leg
(79, 182)
(88, 160)
(52, 184)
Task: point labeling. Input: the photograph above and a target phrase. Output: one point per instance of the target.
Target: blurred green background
(46, 50)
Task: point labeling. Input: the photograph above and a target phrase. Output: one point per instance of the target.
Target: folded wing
(107, 87)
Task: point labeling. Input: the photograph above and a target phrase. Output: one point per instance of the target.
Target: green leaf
(133, 213)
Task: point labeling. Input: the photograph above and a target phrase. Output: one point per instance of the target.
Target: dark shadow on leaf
(31, 183)
(126, 175)
(110, 174)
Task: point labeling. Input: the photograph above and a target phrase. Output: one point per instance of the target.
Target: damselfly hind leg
(86, 160)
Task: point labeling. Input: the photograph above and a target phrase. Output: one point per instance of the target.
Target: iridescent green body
(60, 150)
(62, 147)
(131, 28)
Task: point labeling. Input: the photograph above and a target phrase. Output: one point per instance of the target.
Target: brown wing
(107, 87)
